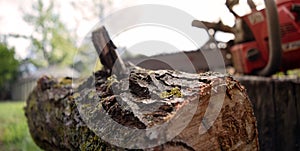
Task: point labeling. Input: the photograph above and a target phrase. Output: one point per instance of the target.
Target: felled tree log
(141, 109)
(55, 122)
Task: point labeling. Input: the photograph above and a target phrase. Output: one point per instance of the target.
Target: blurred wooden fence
(276, 105)
(24, 85)
(22, 88)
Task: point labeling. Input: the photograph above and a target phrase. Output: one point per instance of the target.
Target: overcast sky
(11, 13)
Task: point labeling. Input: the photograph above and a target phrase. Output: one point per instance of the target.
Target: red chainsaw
(273, 42)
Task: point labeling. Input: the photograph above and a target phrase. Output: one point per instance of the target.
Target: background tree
(8, 70)
(52, 43)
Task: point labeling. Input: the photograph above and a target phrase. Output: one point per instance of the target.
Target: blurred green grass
(294, 73)
(14, 132)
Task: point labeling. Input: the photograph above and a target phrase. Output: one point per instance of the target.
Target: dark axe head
(109, 57)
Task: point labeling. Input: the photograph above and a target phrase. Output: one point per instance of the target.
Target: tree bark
(141, 109)
(55, 120)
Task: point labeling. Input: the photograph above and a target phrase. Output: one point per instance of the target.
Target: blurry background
(40, 37)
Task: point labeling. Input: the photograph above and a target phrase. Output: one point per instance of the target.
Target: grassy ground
(14, 133)
(295, 73)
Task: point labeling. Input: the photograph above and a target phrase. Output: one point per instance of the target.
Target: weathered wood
(209, 111)
(259, 93)
(55, 122)
(276, 106)
(285, 115)
(296, 92)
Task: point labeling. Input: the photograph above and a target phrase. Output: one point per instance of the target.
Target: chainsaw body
(252, 54)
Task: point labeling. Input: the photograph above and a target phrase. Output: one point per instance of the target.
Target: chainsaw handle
(275, 50)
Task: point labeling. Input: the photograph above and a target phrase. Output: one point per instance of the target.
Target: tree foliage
(9, 65)
(52, 43)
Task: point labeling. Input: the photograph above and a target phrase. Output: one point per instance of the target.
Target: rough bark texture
(154, 110)
(55, 122)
